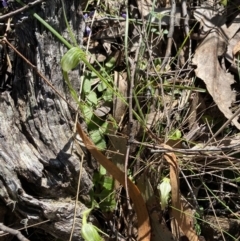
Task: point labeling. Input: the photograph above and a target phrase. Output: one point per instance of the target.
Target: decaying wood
(38, 167)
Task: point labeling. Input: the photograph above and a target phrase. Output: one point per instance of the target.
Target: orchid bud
(165, 189)
(124, 15)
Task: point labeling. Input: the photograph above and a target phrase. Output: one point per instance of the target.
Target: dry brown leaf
(153, 117)
(179, 211)
(232, 28)
(144, 229)
(208, 69)
(218, 82)
(144, 7)
(117, 148)
(119, 107)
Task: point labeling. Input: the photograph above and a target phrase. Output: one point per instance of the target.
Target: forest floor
(176, 65)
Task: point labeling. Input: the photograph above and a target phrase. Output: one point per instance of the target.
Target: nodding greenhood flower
(89, 232)
(165, 189)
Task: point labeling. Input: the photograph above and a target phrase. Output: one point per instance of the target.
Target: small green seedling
(104, 190)
(175, 135)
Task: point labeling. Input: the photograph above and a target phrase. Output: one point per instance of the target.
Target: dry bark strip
(179, 211)
(144, 229)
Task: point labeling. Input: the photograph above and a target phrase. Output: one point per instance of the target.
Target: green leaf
(101, 86)
(165, 31)
(165, 189)
(108, 203)
(87, 86)
(175, 135)
(92, 98)
(87, 113)
(98, 139)
(108, 183)
(111, 63)
(72, 58)
(102, 170)
(224, 2)
(107, 95)
(153, 30)
(104, 127)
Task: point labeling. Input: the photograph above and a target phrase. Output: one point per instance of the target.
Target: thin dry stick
(223, 126)
(219, 226)
(76, 200)
(130, 120)
(13, 232)
(29, 226)
(27, 6)
(186, 25)
(213, 149)
(170, 35)
(191, 191)
(210, 130)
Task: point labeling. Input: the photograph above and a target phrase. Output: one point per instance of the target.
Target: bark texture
(39, 164)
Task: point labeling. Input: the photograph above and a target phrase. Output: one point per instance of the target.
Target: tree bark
(39, 161)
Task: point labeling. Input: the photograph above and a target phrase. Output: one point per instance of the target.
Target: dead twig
(202, 151)
(130, 115)
(186, 25)
(13, 232)
(170, 35)
(27, 6)
(29, 226)
(223, 126)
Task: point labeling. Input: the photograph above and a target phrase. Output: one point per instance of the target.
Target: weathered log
(39, 164)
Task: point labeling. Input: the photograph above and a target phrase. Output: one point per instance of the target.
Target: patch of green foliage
(103, 190)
